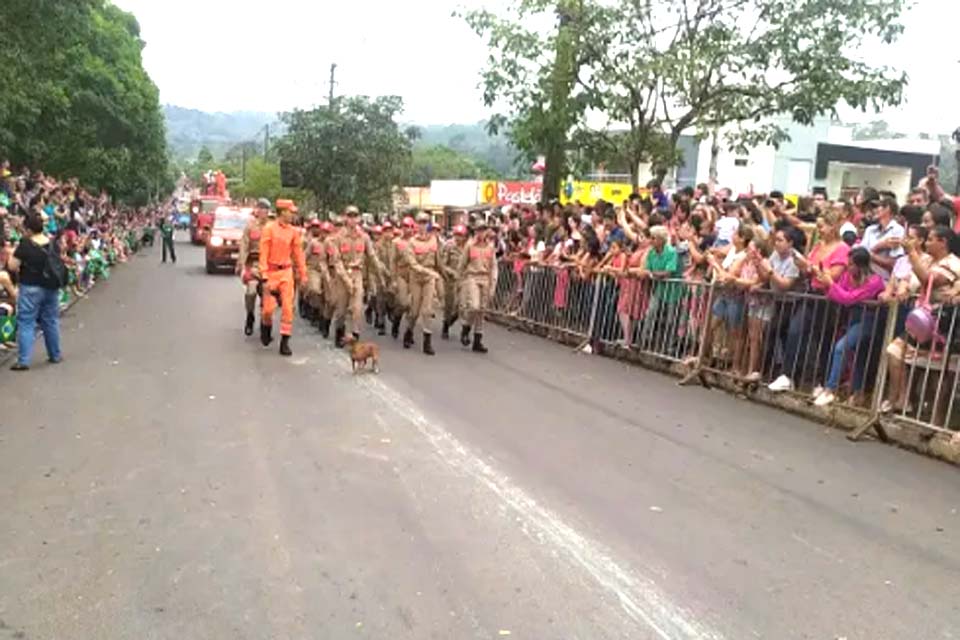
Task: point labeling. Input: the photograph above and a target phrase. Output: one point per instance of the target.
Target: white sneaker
(818, 391)
(824, 399)
(753, 377)
(783, 383)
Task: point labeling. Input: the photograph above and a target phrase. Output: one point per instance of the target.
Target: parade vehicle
(223, 240)
(202, 209)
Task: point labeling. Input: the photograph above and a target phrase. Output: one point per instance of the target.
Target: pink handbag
(921, 323)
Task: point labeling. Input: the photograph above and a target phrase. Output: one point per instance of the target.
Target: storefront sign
(588, 193)
(501, 193)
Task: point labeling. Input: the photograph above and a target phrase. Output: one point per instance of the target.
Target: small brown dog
(361, 353)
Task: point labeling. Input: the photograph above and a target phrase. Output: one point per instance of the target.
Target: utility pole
(266, 141)
(333, 83)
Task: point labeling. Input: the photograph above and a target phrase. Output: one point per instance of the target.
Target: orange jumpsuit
(280, 252)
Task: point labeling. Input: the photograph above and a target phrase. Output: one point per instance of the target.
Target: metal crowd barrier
(752, 338)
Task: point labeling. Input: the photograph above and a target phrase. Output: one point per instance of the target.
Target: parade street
(174, 479)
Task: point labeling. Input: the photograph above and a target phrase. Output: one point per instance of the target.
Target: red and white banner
(501, 193)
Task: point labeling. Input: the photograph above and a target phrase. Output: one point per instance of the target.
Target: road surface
(172, 479)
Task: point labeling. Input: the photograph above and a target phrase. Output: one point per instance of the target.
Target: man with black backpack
(41, 274)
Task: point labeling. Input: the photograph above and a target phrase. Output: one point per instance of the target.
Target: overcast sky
(251, 55)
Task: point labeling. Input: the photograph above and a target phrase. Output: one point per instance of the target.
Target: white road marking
(639, 596)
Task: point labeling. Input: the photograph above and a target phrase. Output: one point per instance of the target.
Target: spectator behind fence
(937, 270)
(856, 285)
(38, 297)
(810, 319)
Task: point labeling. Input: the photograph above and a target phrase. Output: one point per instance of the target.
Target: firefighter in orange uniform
(248, 263)
(352, 253)
(281, 253)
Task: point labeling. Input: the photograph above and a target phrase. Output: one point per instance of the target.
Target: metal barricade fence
(860, 353)
(922, 378)
(551, 297)
(656, 317)
(804, 343)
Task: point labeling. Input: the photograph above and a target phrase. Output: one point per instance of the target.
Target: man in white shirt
(882, 239)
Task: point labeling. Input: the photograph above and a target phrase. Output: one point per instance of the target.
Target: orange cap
(460, 230)
(326, 225)
(408, 222)
(287, 205)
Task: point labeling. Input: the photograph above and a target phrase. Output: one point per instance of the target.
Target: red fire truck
(202, 209)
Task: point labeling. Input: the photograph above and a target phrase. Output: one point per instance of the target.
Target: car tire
(211, 268)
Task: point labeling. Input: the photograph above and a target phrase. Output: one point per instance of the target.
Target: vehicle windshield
(228, 222)
(206, 206)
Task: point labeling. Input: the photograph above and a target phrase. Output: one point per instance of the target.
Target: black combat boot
(395, 327)
(445, 332)
(248, 327)
(285, 346)
(428, 344)
(381, 326)
(478, 343)
(338, 340)
(324, 327)
(304, 309)
(368, 314)
(266, 334)
(408, 340)
(314, 316)
(465, 335)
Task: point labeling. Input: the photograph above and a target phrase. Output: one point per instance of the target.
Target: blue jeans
(859, 331)
(37, 305)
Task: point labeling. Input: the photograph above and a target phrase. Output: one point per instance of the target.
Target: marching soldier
(478, 275)
(383, 247)
(248, 266)
(281, 254)
(371, 281)
(422, 257)
(316, 259)
(352, 252)
(450, 263)
(400, 274)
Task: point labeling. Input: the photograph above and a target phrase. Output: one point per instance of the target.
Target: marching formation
(344, 276)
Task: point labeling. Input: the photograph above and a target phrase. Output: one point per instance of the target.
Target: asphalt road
(172, 479)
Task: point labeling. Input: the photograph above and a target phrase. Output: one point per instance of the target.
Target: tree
(77, 101)
(703, 65)
(875, 130)
(443, 163)
(352, 152)
(533, 76)
(204, 158)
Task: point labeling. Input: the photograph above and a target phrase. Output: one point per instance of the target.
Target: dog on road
(361, 353)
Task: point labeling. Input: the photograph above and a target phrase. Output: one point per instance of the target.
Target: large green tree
(532, 76)
(352, 152)
(76, 100)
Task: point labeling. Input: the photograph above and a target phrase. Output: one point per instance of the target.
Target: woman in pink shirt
(857, 284)
(811, 318)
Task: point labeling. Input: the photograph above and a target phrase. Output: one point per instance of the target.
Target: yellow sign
(588, 193)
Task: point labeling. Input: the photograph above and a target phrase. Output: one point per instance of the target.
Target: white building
(820, 155)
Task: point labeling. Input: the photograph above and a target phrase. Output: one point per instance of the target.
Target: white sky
(251, 55)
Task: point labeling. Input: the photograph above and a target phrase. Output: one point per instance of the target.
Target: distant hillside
(188, 130)
(474, 141)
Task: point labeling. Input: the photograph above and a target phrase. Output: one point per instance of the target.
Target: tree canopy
(657, 70)
(76, 101)
(352, 152)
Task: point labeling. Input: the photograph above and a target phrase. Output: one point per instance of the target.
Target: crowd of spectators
(89, 232)
(788, 278)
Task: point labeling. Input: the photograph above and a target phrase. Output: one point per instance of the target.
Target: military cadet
(281, 258)
(316, 259)
(450, 263)
(422, 257)
(248, 267)
(400, 275)
(478, 276)
(371, 280)
(334, 287)
(382, 302)
(353, 252)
